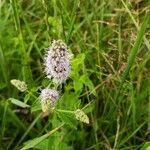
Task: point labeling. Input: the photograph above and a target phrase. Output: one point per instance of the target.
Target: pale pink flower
(57, 61)
(48, 98)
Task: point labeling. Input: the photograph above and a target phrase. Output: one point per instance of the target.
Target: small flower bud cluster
(20, 85)
(81, 116)
(48, 99)
(57, 62)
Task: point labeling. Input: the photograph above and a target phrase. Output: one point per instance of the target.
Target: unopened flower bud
(20, 85)
(81, 116)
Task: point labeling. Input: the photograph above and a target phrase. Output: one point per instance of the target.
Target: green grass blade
(135, 48)
(135, 23)
(3, 66)
(29, 129)
(131, 135)
(134, 51)
(4, 119)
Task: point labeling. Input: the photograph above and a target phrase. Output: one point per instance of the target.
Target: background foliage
(109, 79)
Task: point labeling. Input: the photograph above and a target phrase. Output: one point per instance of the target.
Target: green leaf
(71, 100)
(78, 85)
(18, 103)
(43, 145)
(85, 80)
(68, 119)
(53, 142)
(32, 143)
(79, 60)
(146, 146)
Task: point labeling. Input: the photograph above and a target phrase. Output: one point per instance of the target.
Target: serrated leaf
(68, 119)
(70, 100)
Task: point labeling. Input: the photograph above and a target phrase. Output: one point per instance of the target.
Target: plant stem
(64, 111)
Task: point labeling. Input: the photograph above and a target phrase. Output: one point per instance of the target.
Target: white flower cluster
(57, 61)
(48, 99)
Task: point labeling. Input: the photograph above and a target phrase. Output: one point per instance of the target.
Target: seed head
(48, 99)
(57, 61)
